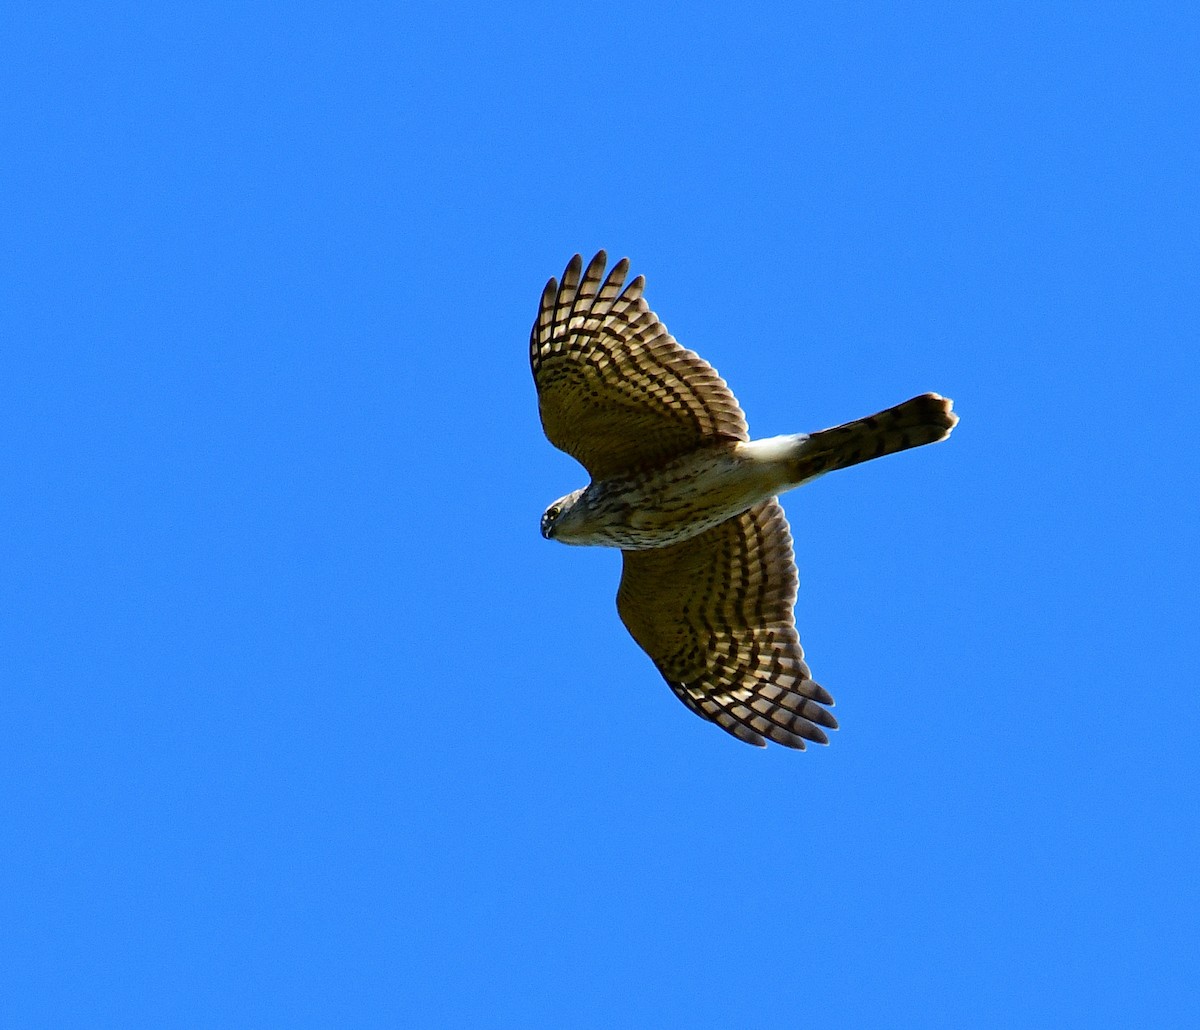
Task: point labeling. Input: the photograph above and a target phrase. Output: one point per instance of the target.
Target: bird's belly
(681, 500)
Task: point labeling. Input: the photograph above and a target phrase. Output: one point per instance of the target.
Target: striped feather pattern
(715, 615)
(615, 390)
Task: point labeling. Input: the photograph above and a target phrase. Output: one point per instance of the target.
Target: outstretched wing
(615, 390)
(715, 615)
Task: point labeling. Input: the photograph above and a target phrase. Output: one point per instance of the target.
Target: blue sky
(304, 723)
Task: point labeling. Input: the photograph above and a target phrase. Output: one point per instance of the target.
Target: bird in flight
(708, 581)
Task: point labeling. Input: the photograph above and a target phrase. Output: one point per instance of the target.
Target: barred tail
(922, 420)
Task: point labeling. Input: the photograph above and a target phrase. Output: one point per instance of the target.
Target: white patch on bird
(773, 448)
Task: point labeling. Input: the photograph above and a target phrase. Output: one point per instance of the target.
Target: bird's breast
(673, 503)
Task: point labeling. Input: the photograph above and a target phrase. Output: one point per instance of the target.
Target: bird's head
(563, 517)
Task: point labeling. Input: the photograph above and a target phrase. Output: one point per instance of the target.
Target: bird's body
(677, 485)
(668, 504)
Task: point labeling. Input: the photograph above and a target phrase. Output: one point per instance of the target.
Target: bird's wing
(715, 615)
(615, 390)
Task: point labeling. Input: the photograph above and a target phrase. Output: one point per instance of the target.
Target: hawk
(708, 581)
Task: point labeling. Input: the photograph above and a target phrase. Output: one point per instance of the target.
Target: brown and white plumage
(616, 392)
(709, 579)
(715, 614)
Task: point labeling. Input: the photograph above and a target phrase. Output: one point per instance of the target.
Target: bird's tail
(922, 420)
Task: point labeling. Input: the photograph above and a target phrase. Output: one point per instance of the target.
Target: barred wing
(715, 615)
(615, 390)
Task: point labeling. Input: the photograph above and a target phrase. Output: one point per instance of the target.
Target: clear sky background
(303, 722)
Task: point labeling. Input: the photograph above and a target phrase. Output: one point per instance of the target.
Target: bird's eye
(553, 512)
